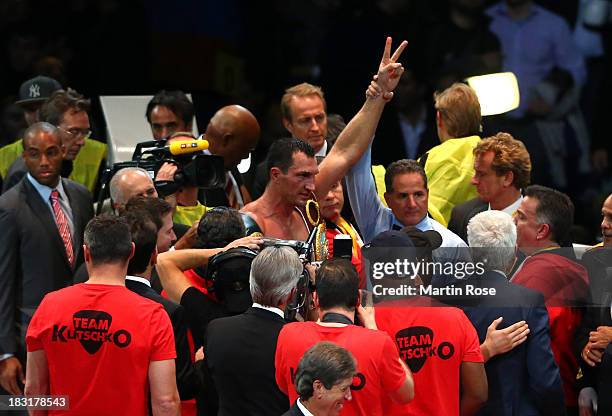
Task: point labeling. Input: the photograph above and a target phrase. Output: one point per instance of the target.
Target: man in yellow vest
(450, 166)
(84, 157)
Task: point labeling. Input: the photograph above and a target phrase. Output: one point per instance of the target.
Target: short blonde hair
(459, 109)
(511, 155)
(301, 90)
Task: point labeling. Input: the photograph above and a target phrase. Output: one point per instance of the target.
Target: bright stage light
(497, 93)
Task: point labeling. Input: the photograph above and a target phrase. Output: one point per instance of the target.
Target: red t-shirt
(99, 341)
(433, 341)
(378, 368)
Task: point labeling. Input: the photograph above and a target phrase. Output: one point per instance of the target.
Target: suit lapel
(41, 211)
(480, 207)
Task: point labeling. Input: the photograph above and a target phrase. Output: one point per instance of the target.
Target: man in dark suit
(594, 336)
(304, 115)
(502, 168)
(536, 384)
(42, 220)
(144, 236)
(232, 133)
(240, 350)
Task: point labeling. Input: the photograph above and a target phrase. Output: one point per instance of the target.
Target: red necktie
(62, 225)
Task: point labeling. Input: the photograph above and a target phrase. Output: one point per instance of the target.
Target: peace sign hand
(389, 70)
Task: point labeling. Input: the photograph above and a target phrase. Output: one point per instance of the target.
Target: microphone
(182, 147)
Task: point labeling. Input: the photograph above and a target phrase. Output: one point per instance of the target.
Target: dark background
(227, 52)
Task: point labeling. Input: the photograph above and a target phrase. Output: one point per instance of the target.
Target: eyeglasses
(75, 132)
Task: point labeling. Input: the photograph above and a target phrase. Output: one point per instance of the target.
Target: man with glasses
(84, 157)
(42, 220)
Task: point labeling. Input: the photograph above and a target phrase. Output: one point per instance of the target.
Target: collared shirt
(411, 133)
(511, 209)
(270, 308)
(323, 150)
(303, 409)
(138, 279)
(533, 46)
(373, 217)
(45, 193)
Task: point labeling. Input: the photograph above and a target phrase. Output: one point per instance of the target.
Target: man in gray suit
(42, 220)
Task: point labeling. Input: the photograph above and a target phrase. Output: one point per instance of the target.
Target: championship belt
(313, 214)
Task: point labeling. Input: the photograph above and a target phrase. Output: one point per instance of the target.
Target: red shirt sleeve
(392, 373)
(35, 328)
(162, 336)
(471, 345)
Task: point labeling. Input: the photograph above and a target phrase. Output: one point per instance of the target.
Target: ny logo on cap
(34, 91)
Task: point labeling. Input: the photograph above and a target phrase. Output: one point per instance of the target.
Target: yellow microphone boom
(181, 147)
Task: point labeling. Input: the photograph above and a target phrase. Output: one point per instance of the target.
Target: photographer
(200, 307)
(381, 372)
(218, 227)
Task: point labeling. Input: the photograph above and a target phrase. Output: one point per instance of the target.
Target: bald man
(233, 133)
(130, 182)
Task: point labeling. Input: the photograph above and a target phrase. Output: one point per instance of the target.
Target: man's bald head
(128, 183)
(233, 132)
(40, 128)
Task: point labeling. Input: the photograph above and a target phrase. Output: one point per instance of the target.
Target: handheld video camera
(194, 167)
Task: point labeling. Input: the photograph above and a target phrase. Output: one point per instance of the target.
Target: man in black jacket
(240, 350)
(536, 384)
(502, 168)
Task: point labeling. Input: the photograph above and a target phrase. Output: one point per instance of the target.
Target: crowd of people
(242, 299)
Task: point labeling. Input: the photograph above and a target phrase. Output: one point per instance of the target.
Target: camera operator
(218, 227)
(337, 297)
(188, 209)
(200, 307)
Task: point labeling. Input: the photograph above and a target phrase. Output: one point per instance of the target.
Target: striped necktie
(62, 225)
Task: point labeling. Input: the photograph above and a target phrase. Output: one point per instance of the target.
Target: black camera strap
(336, 318)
